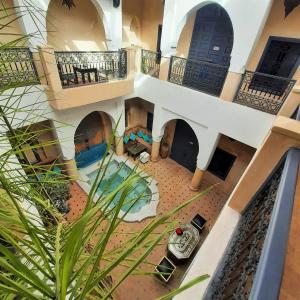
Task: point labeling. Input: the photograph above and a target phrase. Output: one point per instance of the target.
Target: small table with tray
(181, 246)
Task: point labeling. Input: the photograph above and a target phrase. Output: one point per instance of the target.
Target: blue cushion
(146, 138)
(132, 136)
(125, 139)
(140, 134)
(88, 157)
(57, 170)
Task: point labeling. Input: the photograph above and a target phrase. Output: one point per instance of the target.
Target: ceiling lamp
(68, 3)
(290, 5)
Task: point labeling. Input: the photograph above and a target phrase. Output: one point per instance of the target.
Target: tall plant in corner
(70, 259)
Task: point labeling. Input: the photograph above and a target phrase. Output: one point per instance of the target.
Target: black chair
(198, 222)
(65, 78)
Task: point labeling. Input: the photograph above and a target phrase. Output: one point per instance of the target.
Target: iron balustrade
(268, 278)
(17, 68)
(263, 92)
(150, 63)
(253, 265)
(236, 273)
(199, 75)
(80, 67)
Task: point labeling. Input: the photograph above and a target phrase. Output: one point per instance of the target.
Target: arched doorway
(91, 138)
(210, 50)
(182, 142)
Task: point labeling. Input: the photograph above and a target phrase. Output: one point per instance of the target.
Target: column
(196, 180)
(131, 61)
(155, 151)
(231, 85)
(48, 61)
(164, 68)
(71, 168)
(119, 145)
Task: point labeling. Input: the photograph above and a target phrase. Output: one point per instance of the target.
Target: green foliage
(56, 188)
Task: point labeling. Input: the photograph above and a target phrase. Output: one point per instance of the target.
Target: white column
(33, 20)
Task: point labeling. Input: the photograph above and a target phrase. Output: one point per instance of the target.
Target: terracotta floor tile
(173, 181)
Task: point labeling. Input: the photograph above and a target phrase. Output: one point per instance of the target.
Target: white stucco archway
(247, 20)
(66, 122)
(207, 138)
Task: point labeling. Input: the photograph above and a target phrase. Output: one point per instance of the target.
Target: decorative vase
(164, 150)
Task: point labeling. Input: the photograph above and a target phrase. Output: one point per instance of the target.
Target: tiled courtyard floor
(173, 181)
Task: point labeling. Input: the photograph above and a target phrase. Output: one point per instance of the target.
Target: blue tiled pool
(112, 180)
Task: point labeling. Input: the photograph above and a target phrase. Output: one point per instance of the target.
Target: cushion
(132, 136)
(146, 138)
(140, 134)
(125, 139)
(90, 156)
(57, 170)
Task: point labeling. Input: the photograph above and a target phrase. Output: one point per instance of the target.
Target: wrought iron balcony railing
(199, 75)
(17, 68)
(253, 266)
(263, 92)
(81, 67)
(150, 63)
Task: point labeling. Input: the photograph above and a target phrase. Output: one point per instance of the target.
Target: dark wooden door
(281, 58)
(185, 146)
(212, 38)
(212, 42)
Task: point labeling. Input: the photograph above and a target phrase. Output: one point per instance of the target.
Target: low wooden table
(182, 246)
(135, 150)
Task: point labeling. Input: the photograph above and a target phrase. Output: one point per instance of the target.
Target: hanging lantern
(116, 3)
(290, 5)
(69, 3)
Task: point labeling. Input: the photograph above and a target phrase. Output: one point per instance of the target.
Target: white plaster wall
(33, 21)
(247, 17)
(25, 105)
(208, 115)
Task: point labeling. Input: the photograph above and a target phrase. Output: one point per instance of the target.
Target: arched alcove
(180, 143)
(91, 138)
(78, 29)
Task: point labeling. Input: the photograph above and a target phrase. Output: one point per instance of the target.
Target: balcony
(80, 68)
(198, 75)
(263, 92)
(17, 68)
(81, 77)
(202, 76)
